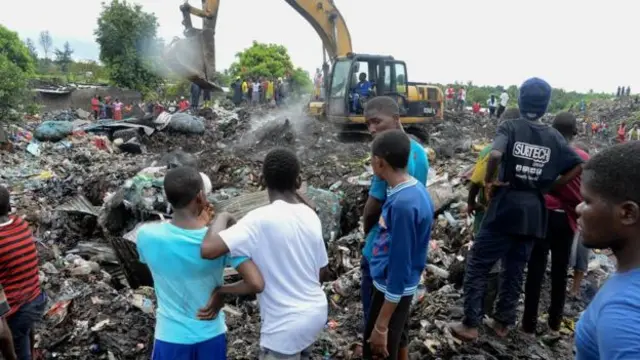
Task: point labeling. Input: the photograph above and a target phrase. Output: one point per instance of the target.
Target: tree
(128, 43)
(46, 42)
(32, 49)
(301, 81)
(268, 60)
(16, 65)
(63, 57)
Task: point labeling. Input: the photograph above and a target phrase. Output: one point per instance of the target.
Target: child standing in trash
(285, 240)
(183, 281)
(530, 156)
(400, 249)
(117, 110)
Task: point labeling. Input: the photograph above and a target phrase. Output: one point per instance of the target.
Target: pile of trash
(85, 198)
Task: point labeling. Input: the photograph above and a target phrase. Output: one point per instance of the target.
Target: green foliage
(560, 99)
(177, 89)
(15, 50)
(224, 78)
(13, 83)
(301, 81)
(128, 43)
(269, 60)
(63, 57)
(33, 51)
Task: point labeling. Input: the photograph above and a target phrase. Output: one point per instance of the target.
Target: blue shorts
(22, 322)
(212, 349)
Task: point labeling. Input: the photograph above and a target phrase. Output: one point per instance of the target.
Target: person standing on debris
(183, 281)
(195, 96)
(561, 204)
(383, 114)
(183, 104)
(628, 91)
(476, 108)
(270, 93)
(477, 204)
(237, 91)
(610, 219)
(634, 133)
(264, 86)
(245, 90)
(530, 156)
(618, 92)
(117, 109)
(285, 240)
(622, 132)
(450, 97)
(255, 92)
(399, 250)
(95, 107)
(504, 100)
(21, 282)
(492, 103)
(462, 98)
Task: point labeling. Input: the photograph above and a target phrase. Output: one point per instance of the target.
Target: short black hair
(565, 123)
(182, 185)
(382, 104)
(281, 170)
(394, 147)
(5, 201)
(614, 173)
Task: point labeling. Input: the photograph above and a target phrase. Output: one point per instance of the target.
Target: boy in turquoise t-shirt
(382, 113)
(183, 281)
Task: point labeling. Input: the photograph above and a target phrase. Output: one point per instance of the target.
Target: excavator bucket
(185, 57)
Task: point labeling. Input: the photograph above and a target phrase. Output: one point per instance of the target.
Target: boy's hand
(211, 310)
(489, 188)
(378, 343)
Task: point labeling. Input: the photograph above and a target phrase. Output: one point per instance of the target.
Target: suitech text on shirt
(533, 156)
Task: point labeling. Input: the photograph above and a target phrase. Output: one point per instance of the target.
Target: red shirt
(18, 264)
(568, 196)
(184, 105)
(95, 104)
(450, 93)
(476, 108)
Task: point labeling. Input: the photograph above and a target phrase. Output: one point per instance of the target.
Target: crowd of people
(533, 191)
(260, 90)
(107, 108)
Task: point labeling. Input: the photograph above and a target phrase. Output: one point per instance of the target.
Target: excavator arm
(194, 56)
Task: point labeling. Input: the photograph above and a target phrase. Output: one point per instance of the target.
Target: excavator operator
(360, 92)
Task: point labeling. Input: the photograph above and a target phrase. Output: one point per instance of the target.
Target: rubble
(85, 193)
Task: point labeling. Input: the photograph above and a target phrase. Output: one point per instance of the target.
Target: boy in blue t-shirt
(400, 249)
(382, 114)
(183, 281)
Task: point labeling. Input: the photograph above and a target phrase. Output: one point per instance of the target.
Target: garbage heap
(85, 199)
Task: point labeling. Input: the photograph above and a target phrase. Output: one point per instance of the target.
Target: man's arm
(618, 330)
(403, 233)
(252, 281)
(373, 206)
(213, 246)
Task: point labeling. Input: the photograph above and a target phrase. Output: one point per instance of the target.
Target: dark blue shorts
(213, 349)
(22, 322)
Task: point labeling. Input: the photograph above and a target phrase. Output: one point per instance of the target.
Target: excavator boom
(194, 57)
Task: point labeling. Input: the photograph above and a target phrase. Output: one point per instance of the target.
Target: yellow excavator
(194, 58)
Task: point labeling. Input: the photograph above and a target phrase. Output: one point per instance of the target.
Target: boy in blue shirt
(382, 114)
(183, 281)
(609, 329)
(400, 249)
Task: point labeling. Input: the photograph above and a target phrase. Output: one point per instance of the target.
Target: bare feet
(463, 332)
(497, 327)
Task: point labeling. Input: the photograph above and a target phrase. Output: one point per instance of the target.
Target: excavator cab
(356, 78)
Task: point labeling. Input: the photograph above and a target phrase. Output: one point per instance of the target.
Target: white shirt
(504, 99)
(256, 87)
(462, 95)
(285, 242)
(492, 103)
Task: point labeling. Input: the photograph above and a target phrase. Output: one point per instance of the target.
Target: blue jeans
(215, 348)
(366, 290)
(489, 247)
(21, 324)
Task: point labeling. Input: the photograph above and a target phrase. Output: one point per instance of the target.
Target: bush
(13, 86)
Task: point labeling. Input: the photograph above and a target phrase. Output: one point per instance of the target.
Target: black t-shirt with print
(533, 156)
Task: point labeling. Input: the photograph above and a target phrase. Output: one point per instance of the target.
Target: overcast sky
(576, 45)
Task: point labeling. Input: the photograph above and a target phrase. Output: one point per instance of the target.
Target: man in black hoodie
(530, 156)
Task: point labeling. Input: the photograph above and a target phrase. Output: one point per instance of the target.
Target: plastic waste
(143, 303)
(185, 123)
(53, 130)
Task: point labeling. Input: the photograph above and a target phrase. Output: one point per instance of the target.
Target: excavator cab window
(340, 79)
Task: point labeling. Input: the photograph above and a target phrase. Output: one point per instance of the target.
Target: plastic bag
(185, 123)
(53, 130)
